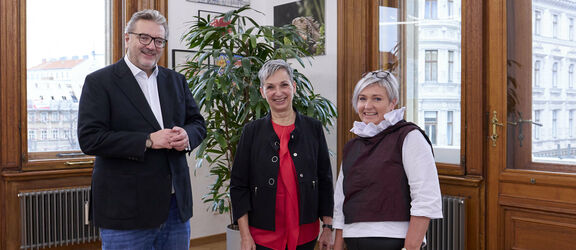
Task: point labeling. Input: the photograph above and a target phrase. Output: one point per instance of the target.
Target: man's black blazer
(131, 186)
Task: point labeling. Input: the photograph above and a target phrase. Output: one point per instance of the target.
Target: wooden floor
(221, 245)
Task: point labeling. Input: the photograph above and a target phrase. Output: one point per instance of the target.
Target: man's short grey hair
(388, 82)
(270, 67)
(151, 15)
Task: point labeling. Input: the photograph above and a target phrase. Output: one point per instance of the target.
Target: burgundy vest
(375, 184)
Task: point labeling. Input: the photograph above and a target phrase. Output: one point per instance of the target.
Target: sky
(64, 28)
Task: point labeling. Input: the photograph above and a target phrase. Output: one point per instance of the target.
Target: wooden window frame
(358, 42)
(13, 95)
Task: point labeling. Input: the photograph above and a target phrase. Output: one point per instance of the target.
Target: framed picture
(181, 56)
(231, 3)
(309, 18)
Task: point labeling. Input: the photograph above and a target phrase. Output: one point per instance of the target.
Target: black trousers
(306, 246)
(374, 243)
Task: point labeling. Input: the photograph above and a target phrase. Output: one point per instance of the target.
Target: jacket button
(295, 154)
(274, 158)
(301, 175)
(277, 143)
(271, 181)
(292, 136)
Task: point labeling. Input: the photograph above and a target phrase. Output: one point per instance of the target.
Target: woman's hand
(325, 241)
(246, 241)
(338, 240)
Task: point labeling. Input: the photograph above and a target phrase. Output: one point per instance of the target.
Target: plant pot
(232, 237)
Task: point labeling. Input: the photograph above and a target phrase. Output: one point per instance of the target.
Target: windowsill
(555, 91)
(538, 90)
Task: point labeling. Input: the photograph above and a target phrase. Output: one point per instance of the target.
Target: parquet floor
(221, 245)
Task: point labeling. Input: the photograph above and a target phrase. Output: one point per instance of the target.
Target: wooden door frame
(495, 42)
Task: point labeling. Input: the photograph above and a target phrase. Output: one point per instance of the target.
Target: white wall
(321, 72)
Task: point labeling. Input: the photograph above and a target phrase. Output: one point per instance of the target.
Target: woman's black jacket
(255, 172)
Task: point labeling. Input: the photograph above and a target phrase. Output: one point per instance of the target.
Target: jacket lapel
(167, 96)
(129, 86)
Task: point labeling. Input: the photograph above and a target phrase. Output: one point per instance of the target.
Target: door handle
(495, 123)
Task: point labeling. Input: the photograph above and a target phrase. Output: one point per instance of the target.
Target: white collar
(135, 70)
(368, 130)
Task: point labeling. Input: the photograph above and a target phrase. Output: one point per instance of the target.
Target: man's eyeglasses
(379, 74)
(146, 39)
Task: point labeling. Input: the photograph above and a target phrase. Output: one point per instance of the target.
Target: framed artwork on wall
(309, 18)
(231, 3)
(181, 56)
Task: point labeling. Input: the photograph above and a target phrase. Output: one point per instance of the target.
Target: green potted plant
(223, 77)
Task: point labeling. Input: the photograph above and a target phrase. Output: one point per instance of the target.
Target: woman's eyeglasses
(379, 74)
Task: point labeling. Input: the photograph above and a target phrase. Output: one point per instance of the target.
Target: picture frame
(230, 3)
(181, 56)
(308, 16)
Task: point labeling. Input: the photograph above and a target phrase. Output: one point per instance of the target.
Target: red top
(288, 232)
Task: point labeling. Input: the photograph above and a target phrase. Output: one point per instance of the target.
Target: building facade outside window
(450, 66)
(537, 22)
(554, 123)
(571, 123)
(431, 9)
(571, 76)
(537, 74)
(571, 29)
(554, 26)
(555, 75)
(450, 128)
(537, 128)
(431, 125)
(431, 65)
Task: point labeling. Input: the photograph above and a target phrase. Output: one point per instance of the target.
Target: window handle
(495, 123)
(519, 122)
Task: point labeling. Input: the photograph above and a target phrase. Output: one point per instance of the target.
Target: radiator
(448, 233)
(56, 217)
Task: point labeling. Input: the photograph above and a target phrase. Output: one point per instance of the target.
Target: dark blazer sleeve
(194, 123)
(240, 176)
(326, 204)
(94, 133)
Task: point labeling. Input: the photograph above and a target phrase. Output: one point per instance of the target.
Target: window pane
(65, 41)
(421, 44)
(537, 22)
(550, 99)
(555, 26)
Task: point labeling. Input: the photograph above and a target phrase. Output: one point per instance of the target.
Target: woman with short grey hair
(281, 183)
(391, 189)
